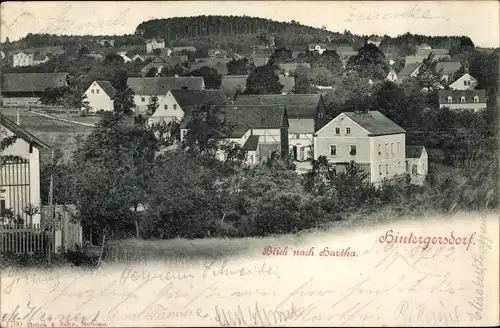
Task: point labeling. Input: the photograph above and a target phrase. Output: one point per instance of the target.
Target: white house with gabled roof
(370, 139)
(100, 96)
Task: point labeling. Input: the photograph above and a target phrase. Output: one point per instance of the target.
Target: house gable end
(336, 121)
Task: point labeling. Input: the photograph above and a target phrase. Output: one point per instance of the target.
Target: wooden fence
(27, 240)
(57, 232)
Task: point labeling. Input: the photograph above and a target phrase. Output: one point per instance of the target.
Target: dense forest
(239, 34)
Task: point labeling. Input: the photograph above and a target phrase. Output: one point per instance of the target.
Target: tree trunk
(136, 229)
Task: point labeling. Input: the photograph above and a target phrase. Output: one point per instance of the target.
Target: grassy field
(56, 133)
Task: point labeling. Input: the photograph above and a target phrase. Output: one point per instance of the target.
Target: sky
(477, 19)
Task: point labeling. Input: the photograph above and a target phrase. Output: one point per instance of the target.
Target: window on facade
(450, 99)
(380, 170)
(476, 99)
(462, 99)
(92, 91)
(392, 148)
(337, 130)
(386, 149)
(297, 136)
(2, 206)
(347, 130)
(143, 99)
(386, 168)
(465, 82)
(333, 150)
(379, 152)
(398, 146)
(352, 150)
(184, 132)
(97, 91)
(175, 106)
(165, 106)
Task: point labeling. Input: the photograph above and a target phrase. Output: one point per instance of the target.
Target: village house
(420, 57)
(288, 83)
(465, 82)
(409, 71)
(221, 53)
(95, 56)
(392, 76)
(22, 59)
(448, 69)
(106, 42)
(370, 139)
(259, 129)
(258, 59)
(177, 50)
(100, 96)
(218, 63)
(376, 41)
(25, 89)
(174, 105)
(146, 87)
(152, 44)
(423, 46)
(289, 68)
(20, 179)
(159, 63)
(417, 164)
(232, 84)
(318, 47)
(306, 114)
(126, 59)
(463, 99)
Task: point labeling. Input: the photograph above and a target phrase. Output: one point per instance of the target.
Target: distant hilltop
(206, 26)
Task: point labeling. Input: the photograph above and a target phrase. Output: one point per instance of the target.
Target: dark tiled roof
(242, 118)
(375, 122)
(188, 48)
(32, 82)
(288, 83)
(230, 83)
(20, 132)
(251, 143)
(297, 105)
(160, 85)
(39, 57)
(456, 94)
(407, 70)
(448, 67)
(414, 151)
(292, 67)
(220, 66)
(108, 88)
(190, 98)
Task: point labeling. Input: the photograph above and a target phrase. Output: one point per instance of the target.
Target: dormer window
(450, 100)
(476, 99)
(462, 99)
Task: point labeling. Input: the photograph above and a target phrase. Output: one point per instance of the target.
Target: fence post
(57, 240)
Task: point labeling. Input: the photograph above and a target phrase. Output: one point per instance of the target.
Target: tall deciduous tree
(263, 80)
(212, 78)
(369, 62)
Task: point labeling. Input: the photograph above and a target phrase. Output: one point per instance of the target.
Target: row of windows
(386, 168)
(143, 99)
(352, 150)
(463, 99)
(387, 148)
(96, 91)
(347, 130)
(466, 82)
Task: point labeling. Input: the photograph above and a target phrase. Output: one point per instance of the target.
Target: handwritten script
(396, 284)
(416, 12)
(61, 23)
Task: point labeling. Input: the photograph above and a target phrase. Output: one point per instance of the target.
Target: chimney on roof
(18, 120)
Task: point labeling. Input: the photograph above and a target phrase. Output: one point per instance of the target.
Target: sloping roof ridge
(23, 133)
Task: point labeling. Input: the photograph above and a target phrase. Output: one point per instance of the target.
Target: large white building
(19, 176)
(22, 59)
(370, 139)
